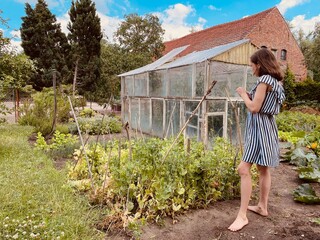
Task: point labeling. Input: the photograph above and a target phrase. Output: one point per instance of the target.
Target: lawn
(35, 199)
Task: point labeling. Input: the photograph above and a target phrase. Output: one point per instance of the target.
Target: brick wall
(274, 33)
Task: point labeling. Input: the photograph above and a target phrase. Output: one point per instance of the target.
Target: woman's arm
(255, 104)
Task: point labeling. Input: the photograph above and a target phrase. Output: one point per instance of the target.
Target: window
(274, 51)
(283, 54)
(263, 47)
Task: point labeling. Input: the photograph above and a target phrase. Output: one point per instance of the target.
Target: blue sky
(177, 17)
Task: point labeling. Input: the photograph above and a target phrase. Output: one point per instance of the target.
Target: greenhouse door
(216, 126)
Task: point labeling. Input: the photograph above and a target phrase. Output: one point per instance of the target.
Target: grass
(35, 201)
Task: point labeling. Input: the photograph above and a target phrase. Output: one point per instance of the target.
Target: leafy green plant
(288, 121)
(99, 125)
(61, 144)
(305, 194)
(139, 184)
(40, 111)
(87, 112)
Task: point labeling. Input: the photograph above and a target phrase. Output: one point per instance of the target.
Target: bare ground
(287, 219)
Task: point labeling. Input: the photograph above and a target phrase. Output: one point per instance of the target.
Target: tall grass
(35, 201)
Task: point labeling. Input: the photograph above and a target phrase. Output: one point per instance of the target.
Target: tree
(44, 42)
(289, 86)
(16, 71)
(3, 48)
(315, 55)
(141, 36)
(85, 36)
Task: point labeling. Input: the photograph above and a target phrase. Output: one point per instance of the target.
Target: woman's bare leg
(264, 185)
(246, 189)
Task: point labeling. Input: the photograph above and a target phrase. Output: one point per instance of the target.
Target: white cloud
(15, 34)
(15, 46)
(109, 26)
(213, 8)
(307, 25)
(174, 21)
(63, 20)
(284, 5)
(176, 14)
(103, 5)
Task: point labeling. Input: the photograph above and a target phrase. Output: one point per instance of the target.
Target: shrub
(40, 112)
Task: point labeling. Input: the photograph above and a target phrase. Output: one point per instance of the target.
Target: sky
(176, 16)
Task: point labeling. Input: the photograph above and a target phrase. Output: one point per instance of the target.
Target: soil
(287, 219)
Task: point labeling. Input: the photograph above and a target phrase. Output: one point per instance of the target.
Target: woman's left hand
(241, 91)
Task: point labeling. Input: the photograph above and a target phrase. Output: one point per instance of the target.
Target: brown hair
(268, 64)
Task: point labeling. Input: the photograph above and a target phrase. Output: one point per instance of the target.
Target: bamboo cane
(82, 143)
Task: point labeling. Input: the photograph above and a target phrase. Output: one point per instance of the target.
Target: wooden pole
(82, 143)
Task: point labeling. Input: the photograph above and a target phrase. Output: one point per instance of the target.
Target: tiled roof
(217, 35)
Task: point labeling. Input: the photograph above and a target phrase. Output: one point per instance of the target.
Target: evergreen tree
(85, 35)
(44, 42)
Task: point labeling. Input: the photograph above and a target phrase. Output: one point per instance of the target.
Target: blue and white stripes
(261, 135)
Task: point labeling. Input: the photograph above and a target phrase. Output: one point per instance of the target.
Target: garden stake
(237, 120)
(81, 139)
(170, 120)
(188, 120)
(126, 127)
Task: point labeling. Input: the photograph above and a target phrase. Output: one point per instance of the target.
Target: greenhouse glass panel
(128, 86)
(222, 83)
(140, 84)
(216, 106)
(180, 80)
(215, 126)
(191, 131)
(145, 115)
(135, 113)
(157, 84)
(232, 124)
(126, 111)
(200, 76)
(172, 118)
(237, 80)
(157, 117)
(251, 80)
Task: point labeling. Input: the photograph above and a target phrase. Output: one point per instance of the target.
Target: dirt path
(287, 219)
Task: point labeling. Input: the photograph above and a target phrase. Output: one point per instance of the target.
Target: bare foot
(258, 210)
(238, 224)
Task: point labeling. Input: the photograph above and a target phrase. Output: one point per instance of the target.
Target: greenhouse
(157, 99)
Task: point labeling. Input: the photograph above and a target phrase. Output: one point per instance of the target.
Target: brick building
(265, 29)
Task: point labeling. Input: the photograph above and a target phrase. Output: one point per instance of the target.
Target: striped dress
(261, 134)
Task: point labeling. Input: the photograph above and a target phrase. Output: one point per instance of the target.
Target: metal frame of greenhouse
(158, 98)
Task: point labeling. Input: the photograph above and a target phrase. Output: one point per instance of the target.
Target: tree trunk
(17, 105)
(75, 79)
(54, 121)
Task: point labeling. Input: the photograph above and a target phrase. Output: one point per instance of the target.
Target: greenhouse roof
(152, 66)
(201, 56)
(167, 61)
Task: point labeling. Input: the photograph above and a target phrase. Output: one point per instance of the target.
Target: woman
(261, 134)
